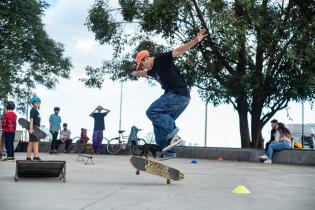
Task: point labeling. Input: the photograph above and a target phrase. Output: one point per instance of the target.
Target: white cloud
(84, 44)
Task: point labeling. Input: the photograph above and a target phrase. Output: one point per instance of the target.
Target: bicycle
(115, 145)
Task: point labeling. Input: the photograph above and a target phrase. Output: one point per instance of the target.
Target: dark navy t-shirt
(99, 123)
(168, 75)
(34, 114)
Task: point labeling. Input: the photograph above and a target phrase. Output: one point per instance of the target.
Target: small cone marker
(241, 189)
(193, 162)
(220, 158)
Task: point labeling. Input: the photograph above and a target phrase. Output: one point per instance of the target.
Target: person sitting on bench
(282, 142)
(65, 134)
(83, 140)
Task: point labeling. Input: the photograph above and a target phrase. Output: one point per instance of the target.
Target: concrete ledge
(296, 157)
(250, 155)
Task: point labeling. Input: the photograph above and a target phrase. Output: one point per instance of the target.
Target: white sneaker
(268, 161)
(4, 158)
(174, 142)
(263, 157)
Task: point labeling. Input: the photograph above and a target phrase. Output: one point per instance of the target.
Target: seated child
(83, 140)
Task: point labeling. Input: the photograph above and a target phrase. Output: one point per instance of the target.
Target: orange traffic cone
(220, 158)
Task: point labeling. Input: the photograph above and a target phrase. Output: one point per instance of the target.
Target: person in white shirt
(65, 137)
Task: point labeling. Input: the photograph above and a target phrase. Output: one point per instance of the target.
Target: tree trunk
(243, 121)
(256, 127)
(256, 122)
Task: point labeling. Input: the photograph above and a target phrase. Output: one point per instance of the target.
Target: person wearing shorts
(34, 121)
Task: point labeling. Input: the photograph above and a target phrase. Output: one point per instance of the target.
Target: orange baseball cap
(140, 56)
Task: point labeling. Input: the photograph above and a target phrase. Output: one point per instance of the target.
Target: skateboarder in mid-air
(165, 110)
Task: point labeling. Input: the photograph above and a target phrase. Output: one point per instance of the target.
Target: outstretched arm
(185, 47)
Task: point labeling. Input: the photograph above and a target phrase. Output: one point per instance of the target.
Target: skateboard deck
(156, 169)
(37, 131)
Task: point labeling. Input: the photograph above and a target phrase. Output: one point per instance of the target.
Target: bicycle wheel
(105, 142)
(73, 146)
(136, 149)
(114, 146)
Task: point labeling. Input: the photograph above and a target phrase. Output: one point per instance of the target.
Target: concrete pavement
(112, 184)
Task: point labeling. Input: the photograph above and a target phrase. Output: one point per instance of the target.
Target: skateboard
(156, 169)
(37, 131)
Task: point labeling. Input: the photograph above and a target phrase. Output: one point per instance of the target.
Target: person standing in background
(99, 127)
(54, 122)
(8, 130)
(34, 121)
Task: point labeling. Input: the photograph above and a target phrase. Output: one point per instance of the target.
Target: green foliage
(129, 9)
(27, 55)
(259, 54)
(100, 22)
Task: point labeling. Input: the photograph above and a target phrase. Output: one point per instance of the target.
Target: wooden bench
(43, 168)
(87, 159)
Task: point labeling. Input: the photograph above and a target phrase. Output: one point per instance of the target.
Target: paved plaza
(111, 183)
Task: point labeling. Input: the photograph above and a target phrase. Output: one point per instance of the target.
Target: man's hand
(134, 73)
(142, 73)
(201, 35)
(185, 47)
(31, 131)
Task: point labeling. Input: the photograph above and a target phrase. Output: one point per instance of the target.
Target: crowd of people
(280, 138)
(58, 135)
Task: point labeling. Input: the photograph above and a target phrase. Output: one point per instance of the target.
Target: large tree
(259, 54)
(27, 55)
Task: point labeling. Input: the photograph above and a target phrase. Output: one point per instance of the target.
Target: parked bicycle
(132, 142)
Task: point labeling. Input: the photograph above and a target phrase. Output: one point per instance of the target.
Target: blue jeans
(277, 146)
(163, 112)
(9, 140)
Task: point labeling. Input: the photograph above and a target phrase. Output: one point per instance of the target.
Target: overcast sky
(64, 21)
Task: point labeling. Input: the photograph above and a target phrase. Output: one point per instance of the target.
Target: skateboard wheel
(168, 181)
(137, 172)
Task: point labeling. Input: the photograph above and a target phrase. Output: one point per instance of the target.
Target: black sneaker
(28, 158)
(166, 156)
(36, 158)
(10, 158)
